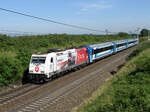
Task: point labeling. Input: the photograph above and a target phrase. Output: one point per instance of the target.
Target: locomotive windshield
(38, 60)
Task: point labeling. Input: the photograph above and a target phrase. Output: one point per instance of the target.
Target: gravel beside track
(6, 97)
(64, 93)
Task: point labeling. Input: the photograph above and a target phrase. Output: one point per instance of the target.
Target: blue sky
(114, 15)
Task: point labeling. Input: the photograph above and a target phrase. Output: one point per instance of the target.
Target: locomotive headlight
(31, 71)
(42, 72)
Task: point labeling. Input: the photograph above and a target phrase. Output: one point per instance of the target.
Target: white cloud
(94, 6)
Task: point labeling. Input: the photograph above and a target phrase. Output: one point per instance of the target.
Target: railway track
(38, 98)
(48, 98)
(7, 97)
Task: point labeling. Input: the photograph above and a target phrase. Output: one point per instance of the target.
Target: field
(128, 90)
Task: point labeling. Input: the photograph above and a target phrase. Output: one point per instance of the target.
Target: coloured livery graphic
(45, 66)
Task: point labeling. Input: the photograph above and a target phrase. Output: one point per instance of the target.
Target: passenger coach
(44, 67)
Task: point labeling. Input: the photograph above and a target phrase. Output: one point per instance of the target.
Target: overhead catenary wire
(52, 21)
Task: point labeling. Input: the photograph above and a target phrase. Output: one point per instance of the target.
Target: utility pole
(106, 34)
(137, 32)
(148, 35)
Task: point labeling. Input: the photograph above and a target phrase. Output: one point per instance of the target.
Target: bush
(24, 55)
(144, 32)
(10, 70)
(123, 34)
(138, 50)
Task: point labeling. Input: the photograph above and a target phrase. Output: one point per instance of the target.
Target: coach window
(123, 44)
(103, 49)
(51, 60)
(132, 42)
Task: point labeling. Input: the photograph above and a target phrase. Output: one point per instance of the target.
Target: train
(44, 66)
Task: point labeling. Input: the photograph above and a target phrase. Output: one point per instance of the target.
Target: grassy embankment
(15, 52)
(128, 91)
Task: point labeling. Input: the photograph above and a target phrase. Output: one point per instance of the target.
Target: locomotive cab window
(38, 60)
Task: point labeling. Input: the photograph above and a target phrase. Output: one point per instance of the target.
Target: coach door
(52, 64)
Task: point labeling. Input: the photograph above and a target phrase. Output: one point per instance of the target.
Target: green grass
(128, 91)
(143, 39)
(140, 48)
